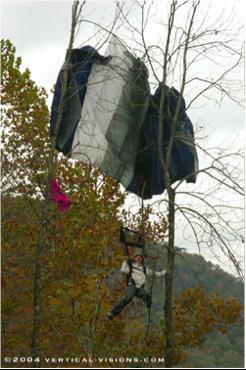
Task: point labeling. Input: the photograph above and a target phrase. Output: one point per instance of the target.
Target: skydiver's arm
(157, 274)
(125, 268)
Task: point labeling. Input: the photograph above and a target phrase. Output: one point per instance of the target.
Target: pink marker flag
(58, 196)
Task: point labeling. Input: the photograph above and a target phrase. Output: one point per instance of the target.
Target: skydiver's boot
(110, 316)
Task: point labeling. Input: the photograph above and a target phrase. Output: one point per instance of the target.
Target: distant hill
(192, 270)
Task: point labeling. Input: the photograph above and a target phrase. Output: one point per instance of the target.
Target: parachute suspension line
(149, 313)
(142, 219)
(144, 254)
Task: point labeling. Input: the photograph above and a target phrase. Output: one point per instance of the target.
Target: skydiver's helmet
(138, 253)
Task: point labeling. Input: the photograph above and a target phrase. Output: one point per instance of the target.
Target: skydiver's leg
(141, 293)
(130, 293)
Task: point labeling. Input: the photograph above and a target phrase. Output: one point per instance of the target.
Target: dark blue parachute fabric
(148, 177)
(81, 63)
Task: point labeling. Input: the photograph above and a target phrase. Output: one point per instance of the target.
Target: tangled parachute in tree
(110, 120)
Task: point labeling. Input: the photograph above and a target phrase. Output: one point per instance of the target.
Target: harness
(129, 278)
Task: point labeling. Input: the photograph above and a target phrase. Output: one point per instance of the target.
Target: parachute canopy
(110, 120)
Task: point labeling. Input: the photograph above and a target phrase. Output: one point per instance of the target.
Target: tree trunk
(35, 346)
(169, 281)
(38, 280)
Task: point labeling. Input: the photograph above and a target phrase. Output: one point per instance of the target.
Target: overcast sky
(40, 32)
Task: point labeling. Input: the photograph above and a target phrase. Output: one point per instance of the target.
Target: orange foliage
(81, 253)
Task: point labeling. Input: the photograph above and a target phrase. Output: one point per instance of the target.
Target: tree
(80, 248)
(176, 60)
(181, 44)
(77, 293)
(30, 172)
